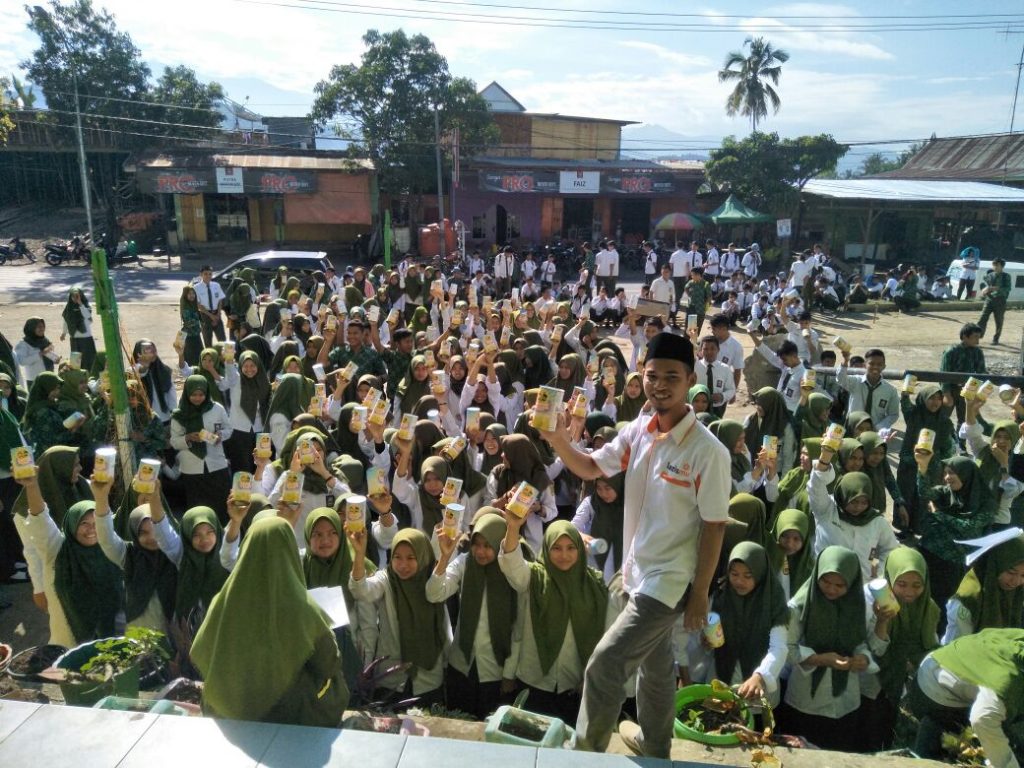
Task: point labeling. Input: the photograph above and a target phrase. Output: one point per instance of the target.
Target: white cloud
(667, 54)
(947, 80)
(833, 43)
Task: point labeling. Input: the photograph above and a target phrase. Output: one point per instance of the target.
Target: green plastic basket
(693, 693)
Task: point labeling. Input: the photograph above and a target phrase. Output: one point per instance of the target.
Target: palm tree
(752, 94)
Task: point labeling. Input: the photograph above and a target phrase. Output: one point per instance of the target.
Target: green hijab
(869, 441)
(333, 571)
(214, 392)
(576, 378)
(524, 463)
(292, 396)
(421, 627)
(256, 390)
(990, 469)
(815, 415)
(974, 497)
(265, 597)
(800, 565)
(839, 625)
(628, 408)
(854, 419)
(191, 416)
(847, 448)
(39, 396)
(728, 432)
(72, 398)
(313, 483)
(851, 486)
(748, 619)
(53, 473)
(200, 577)
(410, 390)
(472, 481)
(608, 519)
(420, 317)
(698, 389)
(992, 658)
(479, 580)
(10, 435)
(578, 595)
(489, 462)
(433, 510)
(72, 313)
(90, 587)
(146, 572)
(979, 592)
(751, 511)
(914, 630)
(776, 419)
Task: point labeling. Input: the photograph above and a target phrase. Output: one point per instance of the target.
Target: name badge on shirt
(881, 403)
(677, 475)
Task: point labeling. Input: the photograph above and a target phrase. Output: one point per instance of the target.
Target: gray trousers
(639, 641)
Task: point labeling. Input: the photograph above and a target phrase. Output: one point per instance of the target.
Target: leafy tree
(386, 106)
(878, 162)
(22, 93)
(752, 95)
(6, 124)
(768, 173)
(77, 41)
(184, 100)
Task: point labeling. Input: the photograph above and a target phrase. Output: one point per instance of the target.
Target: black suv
(301, 264)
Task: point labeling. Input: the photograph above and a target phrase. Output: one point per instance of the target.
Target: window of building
(512, 226)
(479, 227)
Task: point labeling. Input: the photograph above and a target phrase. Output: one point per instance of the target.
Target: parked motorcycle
(15, 249)
(75, 248)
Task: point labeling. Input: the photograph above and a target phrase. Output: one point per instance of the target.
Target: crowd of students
(468, 616)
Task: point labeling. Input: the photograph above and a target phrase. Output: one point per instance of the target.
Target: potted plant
(107, 667)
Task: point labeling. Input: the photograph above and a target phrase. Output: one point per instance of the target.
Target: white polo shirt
(730, 352)
(674, 481)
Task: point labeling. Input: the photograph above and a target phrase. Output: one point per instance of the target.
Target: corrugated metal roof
(911, 190)
(983, 158)
(287, 161)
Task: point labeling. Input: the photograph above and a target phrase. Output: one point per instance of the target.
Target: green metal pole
(106, 308)
(387, 239)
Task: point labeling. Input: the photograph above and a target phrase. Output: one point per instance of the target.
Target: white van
(1014, 269)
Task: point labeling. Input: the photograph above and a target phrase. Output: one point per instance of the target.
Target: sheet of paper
(332, 600)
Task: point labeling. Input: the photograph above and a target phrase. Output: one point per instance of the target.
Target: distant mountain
(655, 141)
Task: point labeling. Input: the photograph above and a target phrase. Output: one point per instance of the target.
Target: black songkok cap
(670, 346)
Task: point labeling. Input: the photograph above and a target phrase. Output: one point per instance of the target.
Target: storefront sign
(285, 182)
(521, 182)
(637, 183)
(175, 182)
(229, 181)
(579, 182)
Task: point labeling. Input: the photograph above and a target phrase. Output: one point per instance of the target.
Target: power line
(589, 24)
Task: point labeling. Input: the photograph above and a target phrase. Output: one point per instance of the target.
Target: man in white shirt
(548, 271)
(529, 266)
(869, 392)
(807, 340)
(791, 370)
(613, 257)
(476, 263)
(730, 351)
(210, 296)
(682, 262)
(799, 271)
(504, 266)
(676, 500)
(751, 262)
(730, 261)
(716, 376)
(650, 262)
(663, 289)
(713, 262)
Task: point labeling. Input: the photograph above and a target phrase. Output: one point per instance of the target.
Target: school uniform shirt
(721, 380)
(673, 483)
(548, 271)
(566, 673)
(376, 588)
(170, 396)
(770, 668)
(115, 549)
(712, 262)
(504, 265)
(30, 361)
(663, 290)
(798, 691)
(43, 540)
(730, 262)
(87, 322)
(751, 263)
(884, 397)
(682, 262)
(582, 522)
(1009, 487)
(407, 491)
(870, 685)
(528, 268)
(796, 335)
(798, 273)
(276, 342)
(638, 340)
(488, 670)
(215, 420)
(730, 352)
(651, 263)
(874, 540)
(789, 378)
(209, 295)
(605, 263)
(238, 418)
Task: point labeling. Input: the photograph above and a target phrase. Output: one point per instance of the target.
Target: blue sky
(861, 85)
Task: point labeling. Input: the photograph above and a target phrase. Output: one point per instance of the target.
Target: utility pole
(440, 189)
(105, 301)
(1016, 89)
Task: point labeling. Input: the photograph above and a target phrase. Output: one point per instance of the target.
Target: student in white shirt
(650, 261)
(565, 610)
(199, 428)
(484, 656)
(807, 340)
(846, 518)
(77, 323)
(210, 297)
(791, 370)
(869, 391)
(664, 289)
(751, 262)
(521, 462)
(34, 353)
(548, 271)
(250, 398)
(713, 262)
(730, 261)
(827, 651)
(716, 376)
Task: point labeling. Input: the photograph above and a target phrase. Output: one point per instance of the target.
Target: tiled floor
(45, 735)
